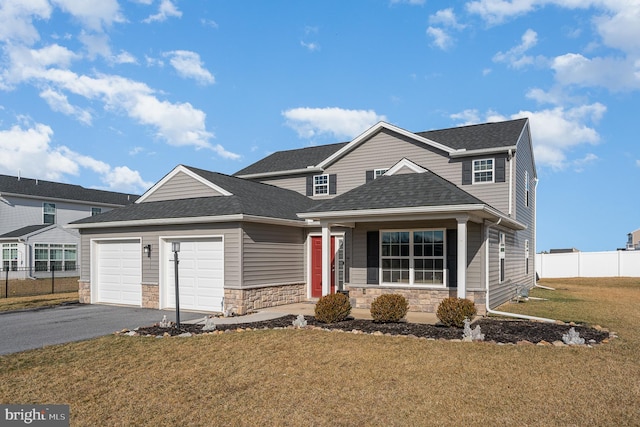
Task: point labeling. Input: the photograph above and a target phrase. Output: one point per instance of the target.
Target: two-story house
(32, 215)
(428, 215)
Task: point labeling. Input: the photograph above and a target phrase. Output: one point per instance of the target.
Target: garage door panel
(201, 275)
(118, 272)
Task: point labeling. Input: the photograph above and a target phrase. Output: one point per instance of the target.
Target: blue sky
(113, 94)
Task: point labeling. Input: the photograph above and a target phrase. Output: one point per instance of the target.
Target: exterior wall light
(147, 250)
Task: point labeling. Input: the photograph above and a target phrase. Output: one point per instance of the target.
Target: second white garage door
(200, 275)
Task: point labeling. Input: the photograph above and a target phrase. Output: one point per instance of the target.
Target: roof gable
(176, 172)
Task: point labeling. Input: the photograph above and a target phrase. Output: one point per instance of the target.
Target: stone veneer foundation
(150, 296)
(420, 300)
(247, 300)
(84, 292)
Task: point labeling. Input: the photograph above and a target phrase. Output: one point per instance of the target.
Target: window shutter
(369, 175)
(333, 185)
(467, 172)
(373, 257)
(500, 169)
(309, 186)
(452, 257)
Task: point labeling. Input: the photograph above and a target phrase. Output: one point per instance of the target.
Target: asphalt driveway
(26, 330)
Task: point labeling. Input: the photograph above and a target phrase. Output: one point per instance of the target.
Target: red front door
(316, 266)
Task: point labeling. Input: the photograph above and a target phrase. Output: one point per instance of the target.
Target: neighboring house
(633, 240)
(427, 215)
(32, 215)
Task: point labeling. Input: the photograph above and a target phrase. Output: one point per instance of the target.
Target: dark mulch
(497, 330)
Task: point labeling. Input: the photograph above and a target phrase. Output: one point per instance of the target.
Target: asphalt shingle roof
(292, 159)
(249, 198)
(475, 137)
(56, 190)
(404, 190)
(24, 231)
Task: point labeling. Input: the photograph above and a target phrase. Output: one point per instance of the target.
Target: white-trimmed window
(526, 256)
(320, 184)
(96, 211)
(55, 256)
(377, 173)
(48, 213)
(502, 254)
(10, 256)
(413, 257)
(526, 188)
(483, 170)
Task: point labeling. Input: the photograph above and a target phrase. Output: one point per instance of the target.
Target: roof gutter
(489, 225)
(188, 220)
(308, 169)
(482, 151)
(57, 199)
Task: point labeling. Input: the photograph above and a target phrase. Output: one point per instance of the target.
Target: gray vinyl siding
(18, 212)
(272, 255)
(181, 186)
(523, 213)
(499, 293)
(296, 183)
(475, 258)
(495, 194)
(384, 150)
(151, 235)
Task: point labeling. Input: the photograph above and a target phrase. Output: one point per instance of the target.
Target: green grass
(311, 377)
(38, 301)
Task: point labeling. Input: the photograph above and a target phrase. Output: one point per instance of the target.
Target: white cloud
(209, 23)
(410, 2)
(27, 150)
(615, 74)
(555, 132)
(440, 38)
(16, 19)
(59, 102)
(515, 56)
(93, 14)
(337, 122)
(166, 10)
(312, 47)
(447, 18)
(496, 11)
(189, 65)
(638, 163)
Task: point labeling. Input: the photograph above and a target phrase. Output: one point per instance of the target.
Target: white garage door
(200, 275)
(118, 272)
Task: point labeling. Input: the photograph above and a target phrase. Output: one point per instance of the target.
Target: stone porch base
(84, 292)
(246, 300)
(420, 300)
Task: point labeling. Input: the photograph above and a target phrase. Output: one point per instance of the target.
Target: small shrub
(389, 308)
(452, 311)
(332, 308)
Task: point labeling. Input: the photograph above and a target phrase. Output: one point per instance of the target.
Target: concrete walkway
(307, 309)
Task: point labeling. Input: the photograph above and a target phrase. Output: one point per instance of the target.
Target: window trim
(45, 213)
(64, 262)
(325, 184)
(412, 258)
(11, 262)
(492, 170)
(377, 173)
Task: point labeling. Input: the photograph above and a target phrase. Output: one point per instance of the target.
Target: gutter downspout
(510, 159)
(489, 310)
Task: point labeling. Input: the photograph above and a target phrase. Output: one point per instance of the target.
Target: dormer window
(483, 170)
(96, 211)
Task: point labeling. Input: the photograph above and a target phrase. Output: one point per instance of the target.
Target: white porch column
(326, 259)
(462, 256)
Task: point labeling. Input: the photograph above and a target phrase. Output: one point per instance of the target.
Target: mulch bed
(496, 330)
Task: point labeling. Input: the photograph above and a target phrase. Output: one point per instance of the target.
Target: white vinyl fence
(588, 264)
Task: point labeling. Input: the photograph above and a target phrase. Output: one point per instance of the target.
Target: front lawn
(312, 377)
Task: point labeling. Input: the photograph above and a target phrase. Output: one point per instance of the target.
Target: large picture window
(56, 257)
(415, 257)
(10, 256)
(483, 170)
